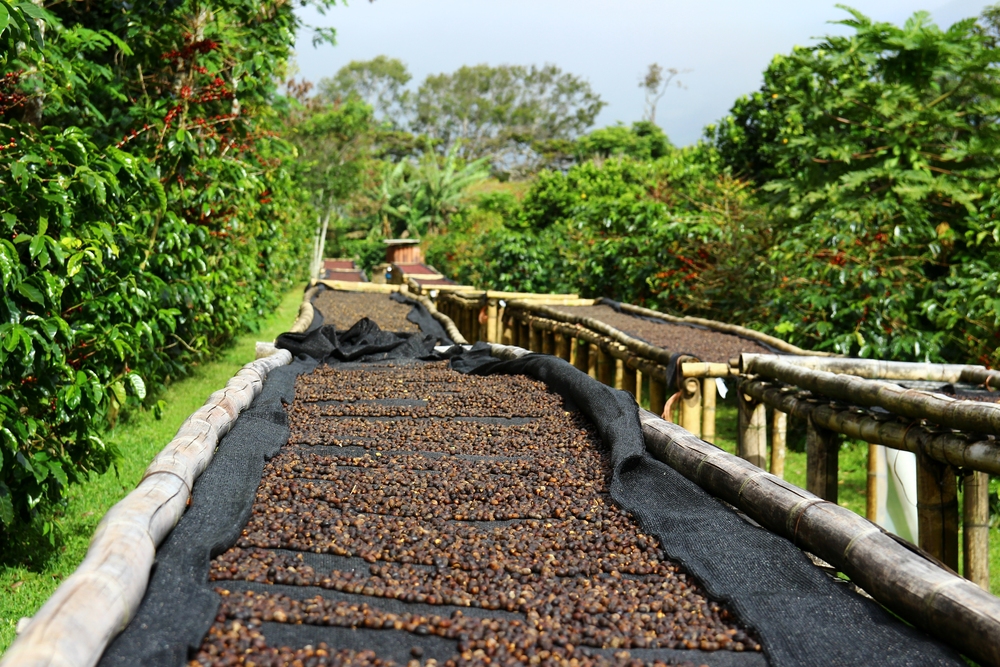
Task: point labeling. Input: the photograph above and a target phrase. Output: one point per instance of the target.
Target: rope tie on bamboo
(147, 475)
(752, 478)
(865, 533)
(928, 601)
(795, 514)
(706, 459)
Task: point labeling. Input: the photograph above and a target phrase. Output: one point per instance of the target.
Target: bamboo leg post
(605, 368)
(619, 374)
(548, 342)
(871, 488)
(563, 346)
(525, 335)
(779, 441)
(752, 432)
(534, 344)
(976, 528)
(708, 396)
(507, 337)
(574, 350)
(492, 335)
(657, 394)
(629, 380)
(592, 354)
(822, 463)
(937, 510)
(691, 406)
(582, 360)
(639, 378)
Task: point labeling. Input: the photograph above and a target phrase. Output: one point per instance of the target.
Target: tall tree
(655, 83)
(500, 112)
(381, 82)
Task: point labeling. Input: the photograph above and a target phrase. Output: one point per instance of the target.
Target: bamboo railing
(953, 439)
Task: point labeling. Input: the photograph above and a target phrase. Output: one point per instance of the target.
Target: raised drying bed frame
(901, 578)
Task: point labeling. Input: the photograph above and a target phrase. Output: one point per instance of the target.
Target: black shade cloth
(802, 615)
(179, 606)
(423, 319)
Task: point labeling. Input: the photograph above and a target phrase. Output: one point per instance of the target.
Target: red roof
(411, 269)
(339, 265)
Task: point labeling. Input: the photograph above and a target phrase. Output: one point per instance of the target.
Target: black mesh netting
(801, 615)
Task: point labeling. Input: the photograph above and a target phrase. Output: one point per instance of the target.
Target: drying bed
(706, 345)
(419, 514)
(343, 309)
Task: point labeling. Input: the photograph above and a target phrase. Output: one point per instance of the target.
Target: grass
(34, 570)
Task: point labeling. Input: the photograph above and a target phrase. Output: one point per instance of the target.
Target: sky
(725, 44)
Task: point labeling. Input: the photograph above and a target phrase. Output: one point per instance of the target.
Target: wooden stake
(507, 337)
(563, 347)
(779, 439)
(619, 382)
(691, 406)
(871, 488)
(639, 379)
(592, 355)
(534, 342)
(937, 510)
(657, 394)
(629, 380)
(976, 528)
(582, 359)
(822, 461)
(548, 342)
(605, 367)
(752, 432)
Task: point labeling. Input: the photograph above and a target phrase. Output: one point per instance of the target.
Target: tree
(655, 83)
(880, 151)
(642, 141)
(381, 82)
(500, 112)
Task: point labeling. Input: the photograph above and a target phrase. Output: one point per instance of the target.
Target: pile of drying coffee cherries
(426, 503)
(343, 309)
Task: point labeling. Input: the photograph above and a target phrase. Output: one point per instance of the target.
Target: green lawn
(37, 567)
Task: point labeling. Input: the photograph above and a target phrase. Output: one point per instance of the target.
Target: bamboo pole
(605, 367)
(640, 377)
(548, 342)
(594, 352)
(874, 369)
(657, 394)
(344, 286)
(306, 311)
(637, 346)
(976, 528)
(534, 344)
(822, 461)
(562, 346)
(691, 405)
(582, 360)
(937, 510)
(951, 448)
(935, 600)
(95, 603)
(698, 369)
(752, 430)
(507, 335)
(970, 416)
(619, 381)
(871, 487)
(743, 332)
(629, 378)
(779, 441)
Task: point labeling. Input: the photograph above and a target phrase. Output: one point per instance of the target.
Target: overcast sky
(725, 43)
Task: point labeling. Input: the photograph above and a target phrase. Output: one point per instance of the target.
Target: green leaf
(31, 292)
(138, 385)
(4, 18)
(6, 506)
(118, 389)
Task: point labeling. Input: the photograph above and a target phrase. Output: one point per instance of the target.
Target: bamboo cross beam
(941, 603)
(657, 354)
(96, 602)
(952, 448)
(722, 327)
(446, 322)
(874, 369)
(968, 416)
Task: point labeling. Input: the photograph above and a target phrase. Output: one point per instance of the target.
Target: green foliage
(379, 82)
(148, 214)
(643, 141)
(880, 154)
